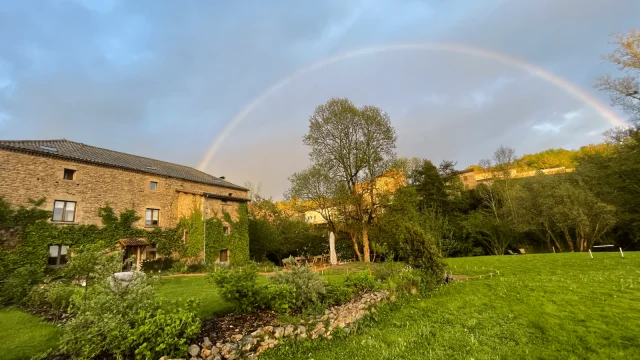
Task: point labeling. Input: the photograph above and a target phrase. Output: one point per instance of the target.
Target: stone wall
(24, 176)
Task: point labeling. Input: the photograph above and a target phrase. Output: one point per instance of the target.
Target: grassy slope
(23, 335)
(563, 306)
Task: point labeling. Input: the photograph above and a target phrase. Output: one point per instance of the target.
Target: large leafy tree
(353, 147)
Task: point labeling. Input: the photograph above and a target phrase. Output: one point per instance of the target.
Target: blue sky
(162, 78)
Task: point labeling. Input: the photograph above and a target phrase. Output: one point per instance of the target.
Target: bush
(239, 287)
(124, 319)
(52, 299)
(179, 267)
(157, 265)
(361, 281)
(420, 252)
(19, 284)
(309, 286)
(280, 298)
(196, 268)
(408, 281)
(337, 294)
(387, 269)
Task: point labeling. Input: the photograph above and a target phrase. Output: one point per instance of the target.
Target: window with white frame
(58, 255)
(152, 217)
(64, 211)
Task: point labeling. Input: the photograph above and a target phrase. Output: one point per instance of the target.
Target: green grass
(23, 335)
(195, 287)
(563, 306)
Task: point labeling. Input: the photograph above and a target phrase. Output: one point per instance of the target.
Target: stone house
(471, 178)
(78, 179)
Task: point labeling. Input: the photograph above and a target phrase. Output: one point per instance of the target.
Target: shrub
(309, 286)
(407, 281)
(361, 281)
(387, 269)
(239, 287)
(19, 284)
(196, 268)
(53, 299)
(123, 318)
(280, 298)
(420, 252)
(337, 294)
(157, 265)
(179, 267)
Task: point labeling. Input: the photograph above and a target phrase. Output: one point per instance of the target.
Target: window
(225, 230)
(230, 194)
(58, 255)
(64, 211)
(224, 255)
(464, 178)
(153, 185)
(152, 216)
(69, 174)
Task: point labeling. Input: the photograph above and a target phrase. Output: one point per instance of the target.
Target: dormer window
(153, 185)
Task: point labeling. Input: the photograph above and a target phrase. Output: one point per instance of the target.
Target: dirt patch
(221, 328)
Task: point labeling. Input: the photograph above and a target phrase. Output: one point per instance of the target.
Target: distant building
(471, 178)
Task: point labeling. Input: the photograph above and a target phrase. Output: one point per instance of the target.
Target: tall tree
(430, 186)
(625, 91)
(353, 146)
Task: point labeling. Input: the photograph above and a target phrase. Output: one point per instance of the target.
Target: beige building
(471, 179)
(78, 179)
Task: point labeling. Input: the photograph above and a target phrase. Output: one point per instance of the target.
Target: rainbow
(537, 71)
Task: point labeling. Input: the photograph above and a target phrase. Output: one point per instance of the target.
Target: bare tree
(624, 91)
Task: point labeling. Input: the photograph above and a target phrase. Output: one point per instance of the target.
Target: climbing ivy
(25, 235)
(237, 241)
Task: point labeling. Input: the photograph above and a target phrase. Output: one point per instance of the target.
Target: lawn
(195, 287)
(23, 335)
(564, 306)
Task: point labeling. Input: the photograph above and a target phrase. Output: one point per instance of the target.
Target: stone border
(249, 346)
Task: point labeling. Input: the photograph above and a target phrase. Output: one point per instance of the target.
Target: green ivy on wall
(25, 235)
(237, 241)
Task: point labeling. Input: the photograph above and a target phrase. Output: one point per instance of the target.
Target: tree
(429, 186)
(353, 147)
(625, 91)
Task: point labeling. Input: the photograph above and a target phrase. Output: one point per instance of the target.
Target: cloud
(161, 79)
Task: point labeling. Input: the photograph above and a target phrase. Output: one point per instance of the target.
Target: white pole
(621, 253)
(204, 230)
(590, 253)
(554, 249)
(332, 248)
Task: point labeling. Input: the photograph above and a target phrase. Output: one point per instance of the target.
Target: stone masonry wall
(24, 176)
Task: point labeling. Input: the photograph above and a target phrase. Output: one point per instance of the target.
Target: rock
(229, 351)
(247, 343)
(164, 358)
(207, 344)
(236, 337)
(205, 353)
(214, 357)
(288, 330)
(257, 333)
(195, 358)
(278, 332)
(301, 332)
(267, 329)
(194, 350)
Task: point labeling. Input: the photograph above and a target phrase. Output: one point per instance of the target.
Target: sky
(164, 78)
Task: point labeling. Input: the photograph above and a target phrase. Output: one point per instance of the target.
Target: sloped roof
(134, 242)
(74, 151)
